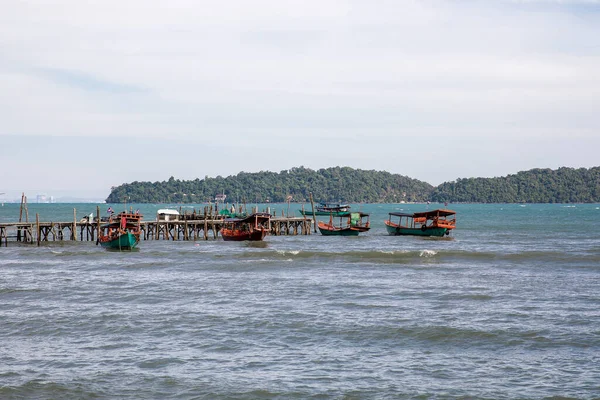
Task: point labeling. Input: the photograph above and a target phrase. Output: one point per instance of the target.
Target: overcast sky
(99, 93)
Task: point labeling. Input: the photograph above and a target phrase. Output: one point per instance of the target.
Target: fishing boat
(427, 223)
(122, 232)
(328, 209)
(349, 224)
(253, 227)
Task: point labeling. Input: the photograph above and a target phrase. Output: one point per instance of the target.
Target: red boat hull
(238, 235)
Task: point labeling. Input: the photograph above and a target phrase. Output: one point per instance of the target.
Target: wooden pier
(188, 229)
(188, 226)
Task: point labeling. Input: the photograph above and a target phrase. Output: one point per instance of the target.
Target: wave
(18, 290)
(148, 258)
(428, 253)
(368, 255)
(445, 335)
(42, 389)
(291, 252)
(420, 255)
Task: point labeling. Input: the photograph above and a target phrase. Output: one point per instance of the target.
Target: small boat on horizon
(327, 209)
(253, 227)
(122, 232)
(435, 223)
(349, 224)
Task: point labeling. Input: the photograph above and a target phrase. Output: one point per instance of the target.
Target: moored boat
(328, 209)
(435, 223)
(349, 224)
(253, 227)
(122, 232)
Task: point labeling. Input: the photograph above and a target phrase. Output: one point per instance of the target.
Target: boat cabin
(437, 218)
(427, 223)
(167, 214)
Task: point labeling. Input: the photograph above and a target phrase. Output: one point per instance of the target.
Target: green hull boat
(399, 231)
(321, 213)
(126, 241)
(426, 223)
(335, 210)
(122, 232)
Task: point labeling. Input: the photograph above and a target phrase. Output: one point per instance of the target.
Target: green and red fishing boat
(122, 232)
(435, 223)
(349, 224)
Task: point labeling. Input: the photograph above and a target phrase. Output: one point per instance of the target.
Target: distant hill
(564, 185)
(331, 184)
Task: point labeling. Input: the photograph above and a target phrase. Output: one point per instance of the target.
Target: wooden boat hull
(404, 231)
(125, 241)
(238, 236)
(328, 230)
(338, 232)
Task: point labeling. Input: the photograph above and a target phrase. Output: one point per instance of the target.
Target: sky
(94, 94)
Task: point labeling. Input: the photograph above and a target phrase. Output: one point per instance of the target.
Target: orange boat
(350, 224)
(253, 227)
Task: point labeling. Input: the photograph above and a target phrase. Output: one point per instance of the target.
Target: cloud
(283, 72)
(83, 81)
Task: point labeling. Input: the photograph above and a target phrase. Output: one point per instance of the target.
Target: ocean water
(507, 307)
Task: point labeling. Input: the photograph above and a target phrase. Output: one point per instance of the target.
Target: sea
(506, 307)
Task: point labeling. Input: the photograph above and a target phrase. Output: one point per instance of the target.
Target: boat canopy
(355, 214)
(434, 213)
(400, 214)
(260, 217)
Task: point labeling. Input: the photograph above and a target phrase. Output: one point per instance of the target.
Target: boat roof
(433, 213)
(427, 214)
(348, 213)
(167, 211)
(334, 204)
(400, 214)
(128, 215)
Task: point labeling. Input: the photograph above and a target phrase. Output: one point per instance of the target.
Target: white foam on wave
(394, 251)
(292, 252)
(428, 253)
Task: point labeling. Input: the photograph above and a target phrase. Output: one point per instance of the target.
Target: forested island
(563, 185)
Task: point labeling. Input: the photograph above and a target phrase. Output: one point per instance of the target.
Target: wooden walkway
(197, 229)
